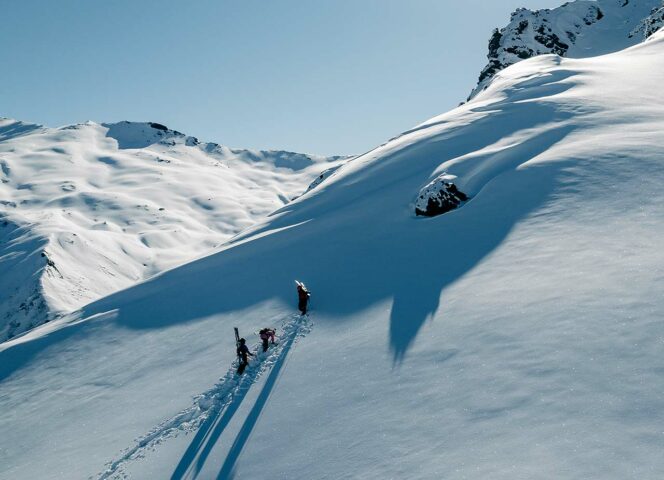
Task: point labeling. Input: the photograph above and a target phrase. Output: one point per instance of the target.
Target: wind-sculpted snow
(214, 408)
(117, 203)
(577, 29)
(322, 177)
(519, 336)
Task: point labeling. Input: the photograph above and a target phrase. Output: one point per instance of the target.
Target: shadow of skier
(196, 455)
(228, 468)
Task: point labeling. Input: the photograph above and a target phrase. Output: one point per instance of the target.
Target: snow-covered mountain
(577, 29)
(89, 209)
(517, 334)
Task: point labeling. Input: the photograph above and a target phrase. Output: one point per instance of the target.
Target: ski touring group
(267, 334)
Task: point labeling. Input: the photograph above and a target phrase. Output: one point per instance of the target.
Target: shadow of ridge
(228, 468)
(17, 129)
(390, 255)
(487, 220)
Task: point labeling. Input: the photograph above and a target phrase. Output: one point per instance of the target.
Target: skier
(266, 334)
(243, 354)
(303, 297)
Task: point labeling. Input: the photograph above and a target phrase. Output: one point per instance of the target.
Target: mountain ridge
(577, 29)
(65, 190)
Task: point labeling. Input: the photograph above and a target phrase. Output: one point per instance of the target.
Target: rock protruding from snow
(322, 177)
(650, 25)
(576, 29)
(438, 197)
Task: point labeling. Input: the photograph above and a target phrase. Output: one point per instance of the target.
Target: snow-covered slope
(89, 209)
(577, 29)
(518, 336)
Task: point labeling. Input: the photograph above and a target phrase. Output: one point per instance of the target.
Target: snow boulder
(438, 197)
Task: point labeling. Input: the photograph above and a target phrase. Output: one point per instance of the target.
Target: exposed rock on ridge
(576, 29)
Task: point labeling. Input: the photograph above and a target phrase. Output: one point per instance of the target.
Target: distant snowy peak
(89, 209)
(144, 134)
(576, 29)
(138, 135)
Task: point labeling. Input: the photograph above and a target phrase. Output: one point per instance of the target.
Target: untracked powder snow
(517, 336)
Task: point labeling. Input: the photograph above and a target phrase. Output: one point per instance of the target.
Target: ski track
(213, 401)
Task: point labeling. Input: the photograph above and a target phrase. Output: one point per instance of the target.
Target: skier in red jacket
(266, 334)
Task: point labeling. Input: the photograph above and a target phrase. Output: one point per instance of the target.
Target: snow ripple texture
(212, 402)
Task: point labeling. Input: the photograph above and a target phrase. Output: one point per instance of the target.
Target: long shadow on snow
(352, 260)
(228, 468)
(199, 449)
(209, 432)
(360, 265)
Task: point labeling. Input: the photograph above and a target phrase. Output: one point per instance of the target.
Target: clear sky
(317, 76)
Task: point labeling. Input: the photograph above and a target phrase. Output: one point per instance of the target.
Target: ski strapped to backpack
(237, 343)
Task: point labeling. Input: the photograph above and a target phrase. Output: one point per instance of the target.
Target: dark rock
(159, 126)
(553, 42)
(439, 197)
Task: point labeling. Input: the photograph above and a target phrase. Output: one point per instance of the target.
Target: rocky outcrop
(576, 29)
(650, 25)
(438, 197)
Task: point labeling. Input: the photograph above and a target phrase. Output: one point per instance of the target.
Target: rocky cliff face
(650, 25)
(576, 29)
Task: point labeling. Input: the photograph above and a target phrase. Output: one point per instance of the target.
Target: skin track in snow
(212, 410)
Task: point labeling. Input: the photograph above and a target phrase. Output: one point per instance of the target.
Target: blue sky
(318, 76)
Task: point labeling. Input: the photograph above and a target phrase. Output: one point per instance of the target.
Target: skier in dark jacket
(243, 354)
(303, 298)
